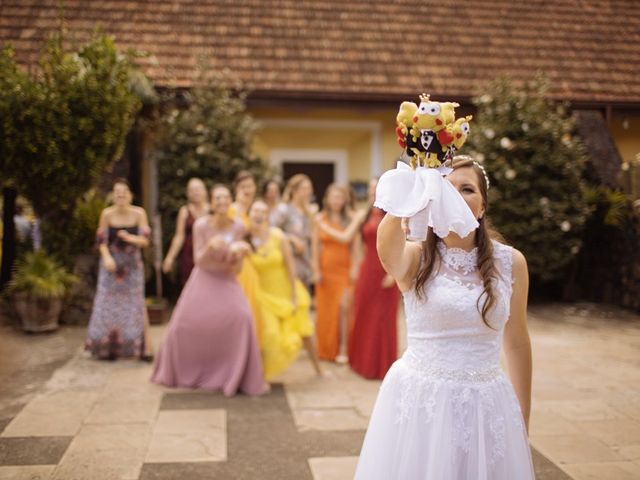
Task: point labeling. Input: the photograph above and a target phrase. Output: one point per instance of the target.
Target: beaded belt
(426, 369)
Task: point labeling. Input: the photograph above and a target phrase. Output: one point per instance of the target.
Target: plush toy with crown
(429, 131)
(430, 135)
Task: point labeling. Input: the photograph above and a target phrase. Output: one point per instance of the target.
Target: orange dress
(335, 265)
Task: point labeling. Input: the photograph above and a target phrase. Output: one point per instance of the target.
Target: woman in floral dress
(118, 324)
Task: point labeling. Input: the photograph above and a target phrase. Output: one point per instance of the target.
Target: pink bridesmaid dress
(210, 342)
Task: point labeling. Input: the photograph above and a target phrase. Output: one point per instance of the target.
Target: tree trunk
(9, 235)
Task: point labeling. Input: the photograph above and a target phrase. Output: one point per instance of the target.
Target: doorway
(322, 166)
(320, 173)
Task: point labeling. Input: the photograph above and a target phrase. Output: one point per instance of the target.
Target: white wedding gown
(446, 410)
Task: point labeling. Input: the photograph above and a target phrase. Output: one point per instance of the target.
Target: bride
(446, 410)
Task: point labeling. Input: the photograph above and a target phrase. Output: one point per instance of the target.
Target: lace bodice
(446, 409)
(445, 330)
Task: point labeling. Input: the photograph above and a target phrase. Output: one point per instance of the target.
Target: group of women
(248, 267)
(445, 409)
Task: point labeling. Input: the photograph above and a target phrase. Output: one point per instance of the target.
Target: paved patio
(100, 420)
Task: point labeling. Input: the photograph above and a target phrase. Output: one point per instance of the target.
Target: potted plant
(38, 288)
(156, 310)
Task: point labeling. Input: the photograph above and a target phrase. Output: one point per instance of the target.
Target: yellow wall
(355, 138)
(360, 159)
(626, 133)
(625, 129)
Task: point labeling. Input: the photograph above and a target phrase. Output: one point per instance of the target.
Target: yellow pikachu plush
(429, 132)
(461, 131)
(448, 111)
(429, 116)
(404, 120)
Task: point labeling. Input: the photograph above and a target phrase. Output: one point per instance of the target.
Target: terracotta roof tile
(589, 48)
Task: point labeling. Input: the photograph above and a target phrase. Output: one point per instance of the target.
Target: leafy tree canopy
(209, 137)
(535, 164)
(63, 124)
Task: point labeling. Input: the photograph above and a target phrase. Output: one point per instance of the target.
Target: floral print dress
(116, 326)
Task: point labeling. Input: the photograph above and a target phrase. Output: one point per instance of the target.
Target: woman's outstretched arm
(346, 235)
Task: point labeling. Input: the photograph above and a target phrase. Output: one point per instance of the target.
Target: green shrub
(209, 137)
(62, 124)
(86, 217)
(535, 164)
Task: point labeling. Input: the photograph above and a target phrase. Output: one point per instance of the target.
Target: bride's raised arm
(399, 258)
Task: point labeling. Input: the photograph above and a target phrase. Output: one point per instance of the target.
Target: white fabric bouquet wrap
(427, 199)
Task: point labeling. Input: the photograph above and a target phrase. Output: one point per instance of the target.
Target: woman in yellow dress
(244, 189)
(285, 302)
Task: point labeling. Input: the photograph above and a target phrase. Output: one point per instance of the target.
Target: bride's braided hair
(484, 234)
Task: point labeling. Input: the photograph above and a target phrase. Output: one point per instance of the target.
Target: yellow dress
(283, 325)
(248, 279)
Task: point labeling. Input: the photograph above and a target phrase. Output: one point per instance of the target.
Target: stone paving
(101, 420)
(586, 390)
(28, 361)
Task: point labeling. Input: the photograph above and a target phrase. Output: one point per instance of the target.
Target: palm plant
(41, 277)
(38, 288)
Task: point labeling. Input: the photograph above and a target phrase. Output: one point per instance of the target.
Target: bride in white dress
(446, 410)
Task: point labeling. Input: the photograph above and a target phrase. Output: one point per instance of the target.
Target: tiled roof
(369, 49)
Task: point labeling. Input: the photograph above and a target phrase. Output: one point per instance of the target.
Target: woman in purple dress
(118, 320)
(211, 342)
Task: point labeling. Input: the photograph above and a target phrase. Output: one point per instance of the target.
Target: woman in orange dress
(331, 261)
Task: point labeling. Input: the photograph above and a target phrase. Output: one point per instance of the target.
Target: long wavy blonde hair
(293, 184)
(484, 234)
(344, 211)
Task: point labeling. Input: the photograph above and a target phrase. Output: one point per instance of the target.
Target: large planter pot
(157, 311)
(38, 315)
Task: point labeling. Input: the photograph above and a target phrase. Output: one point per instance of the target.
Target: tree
(11, 82)
(209, 137)
(62, 125)
(535, 164)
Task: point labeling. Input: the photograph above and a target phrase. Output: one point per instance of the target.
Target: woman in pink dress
(211, 342)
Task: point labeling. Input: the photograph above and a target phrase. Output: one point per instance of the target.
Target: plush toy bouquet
(430, 135)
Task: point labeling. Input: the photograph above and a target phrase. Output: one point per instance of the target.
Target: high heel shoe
(342, 359)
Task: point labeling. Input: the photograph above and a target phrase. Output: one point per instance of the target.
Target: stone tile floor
(65, 416)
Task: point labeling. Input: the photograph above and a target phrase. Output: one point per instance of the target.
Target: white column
(376, 151)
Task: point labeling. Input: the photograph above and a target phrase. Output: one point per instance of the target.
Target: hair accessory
(429, 132)
(467, 160)
(484, 172)
(430, 135)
